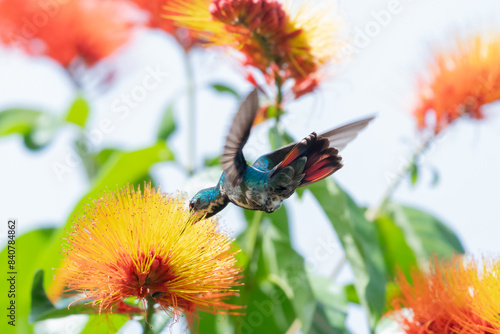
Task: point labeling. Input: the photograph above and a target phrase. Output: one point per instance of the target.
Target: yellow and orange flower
(461, 82)
(134, 244)
(157, 10)
(454, 297)
(64, 31)
(281, 42)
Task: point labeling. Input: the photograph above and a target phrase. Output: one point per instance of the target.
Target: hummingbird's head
(207, 202)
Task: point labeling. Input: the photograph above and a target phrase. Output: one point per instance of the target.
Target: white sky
(381, 78)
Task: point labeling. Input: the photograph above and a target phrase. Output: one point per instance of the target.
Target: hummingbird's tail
(312, 159)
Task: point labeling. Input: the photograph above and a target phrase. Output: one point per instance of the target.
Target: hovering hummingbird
(274, 176)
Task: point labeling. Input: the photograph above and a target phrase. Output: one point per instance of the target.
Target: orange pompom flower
(138, 244)
(281, 42)
(69, 30)
(157, 10)
(461, 82)
(452, 298)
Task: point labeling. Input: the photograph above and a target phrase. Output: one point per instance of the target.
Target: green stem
(279, 96)
(149, 317)
(254, 234)
(191, 96)
(374, 213)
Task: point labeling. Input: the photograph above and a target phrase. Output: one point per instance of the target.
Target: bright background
(379, 79)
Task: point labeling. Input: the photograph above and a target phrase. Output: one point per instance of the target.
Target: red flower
(461, 82)
(66, 30)
(280, 42)
(451, 298)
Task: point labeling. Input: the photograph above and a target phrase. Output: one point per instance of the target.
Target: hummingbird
(274, 176)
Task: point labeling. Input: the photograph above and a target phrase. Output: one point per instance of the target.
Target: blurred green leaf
(19, 121)
(40, 303)
(208, 323)
(211, 162)
(397, 254)
(360, 243)
(223, 88)
(79, 112)
(352, 295)
(167, 124)
(42, 308)
(272, 111)
(102, 157)
(414, 173)
(424, 234)
(105, 323)
(331, 306)
(278, 137)
(126, 167)
(37, 128)
(276, 287)
(29, 250)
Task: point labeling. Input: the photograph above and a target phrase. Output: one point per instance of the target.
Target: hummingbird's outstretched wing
(338, 137)
(232, 160)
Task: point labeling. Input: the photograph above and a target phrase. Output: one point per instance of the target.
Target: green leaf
(424, 234)
(104, 324)
(37, 128)
(278, 137)
(19, 121)
(331, 306)
(42, 308)
(40, 303)
(360, 243)
(212, 162)
(125, 167)
(272, 111)
(167, 124)
(222, 88)
(208, 323)
(352, 295)
(414, 173)
(276, 286)
(398, 255)
(29, 253)
(79, 112)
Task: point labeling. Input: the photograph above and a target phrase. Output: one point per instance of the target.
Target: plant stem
(254, 234)
(191, 96)
(374, 213)
(149, 315)
(279, 96)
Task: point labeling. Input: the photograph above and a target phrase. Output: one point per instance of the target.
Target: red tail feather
(322, 160)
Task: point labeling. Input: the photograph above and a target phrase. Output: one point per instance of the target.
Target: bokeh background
(379, 79)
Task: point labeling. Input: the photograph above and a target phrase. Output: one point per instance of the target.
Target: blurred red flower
(461, 82)
(65, 30)
(157, 11)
